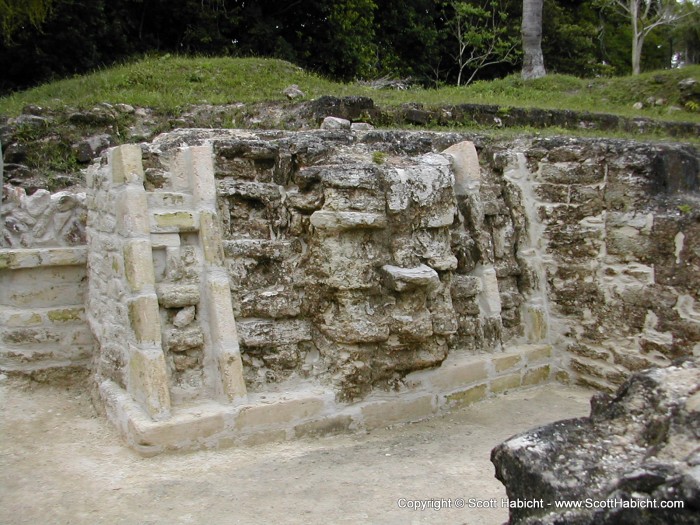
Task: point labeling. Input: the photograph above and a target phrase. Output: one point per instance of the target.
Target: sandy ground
(62, 464)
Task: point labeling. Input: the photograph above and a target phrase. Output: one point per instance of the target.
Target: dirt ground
(62, 464)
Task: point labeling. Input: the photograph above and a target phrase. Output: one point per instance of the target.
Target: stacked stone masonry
(374, 276)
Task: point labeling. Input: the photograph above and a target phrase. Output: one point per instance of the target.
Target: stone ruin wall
(347, 268)
(43, 282)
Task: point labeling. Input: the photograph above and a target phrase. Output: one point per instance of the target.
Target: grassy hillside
(169, 84)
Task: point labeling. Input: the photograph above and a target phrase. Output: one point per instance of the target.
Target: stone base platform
(311, 409)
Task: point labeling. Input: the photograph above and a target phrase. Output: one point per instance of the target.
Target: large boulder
(637, 452)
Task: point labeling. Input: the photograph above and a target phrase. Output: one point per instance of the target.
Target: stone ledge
(15, 259)
(312, 410)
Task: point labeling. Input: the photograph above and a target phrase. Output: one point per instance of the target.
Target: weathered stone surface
(181, 340)
(592, 244)
(259, 332)
(347, 220)
(292, 92)
(172, 295)
(406, 279)
(88, 149)
(637, 447)
(334, 123)
(184, 317)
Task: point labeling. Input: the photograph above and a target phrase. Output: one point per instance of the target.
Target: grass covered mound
(170, 84)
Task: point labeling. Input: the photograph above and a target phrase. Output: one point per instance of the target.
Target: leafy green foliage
(15, 13)
(480, 35)
(342, 39)
(379, 157)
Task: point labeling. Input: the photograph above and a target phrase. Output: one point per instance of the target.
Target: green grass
(170, 84)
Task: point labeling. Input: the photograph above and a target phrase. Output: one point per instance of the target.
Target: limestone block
(304, 201)
(66, 315)
(40, 287)
(181, 340)
(417, 326)
(210, 238)
(265, 193)
(268, 332)
(256, 438)
(506, 362)
(537, 353)
(504, 383)
(261, 249)
(33, 257)
(335, 123)
(466, 397)
(407, 279)
(324, 427)
(489, 298)
(342, 199)
(37, 203)
(126, 164)
(536, 323)
(148, 381)
(165, 240)
(278, 412)
(465, 165)
(428, 184)
(28, 336)
(465, 286)
(145, 319)
(174, 221)
(16, 317)
(347, 220)
(350, 177)
(355, 319)
(219, 311)
(536, 376)
(138, 264)
(230, 371)
(132, 212)
(184, 317)
(169, 199)
(571, 172)
(202, 176)
(180, 431)
(388, 412)
(348, 261)
(275, 302)
(453, 375)
(176, 295)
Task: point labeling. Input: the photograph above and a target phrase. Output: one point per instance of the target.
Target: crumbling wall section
(43, 282)
(617, 226)
(356, 259)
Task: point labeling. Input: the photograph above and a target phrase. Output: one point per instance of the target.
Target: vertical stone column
(223, 359)
(124, 313)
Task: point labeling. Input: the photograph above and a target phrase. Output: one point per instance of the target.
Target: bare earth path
(61, 464)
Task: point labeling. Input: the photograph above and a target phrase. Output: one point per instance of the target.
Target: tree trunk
(533, 63)
(636, 38)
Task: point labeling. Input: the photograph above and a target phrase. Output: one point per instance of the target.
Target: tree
(480, 36)
(15, 13)
(686, 36)
(645, 16)
(533, 62)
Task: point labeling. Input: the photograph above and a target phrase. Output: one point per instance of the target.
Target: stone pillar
(124, 314)
(160, 301)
